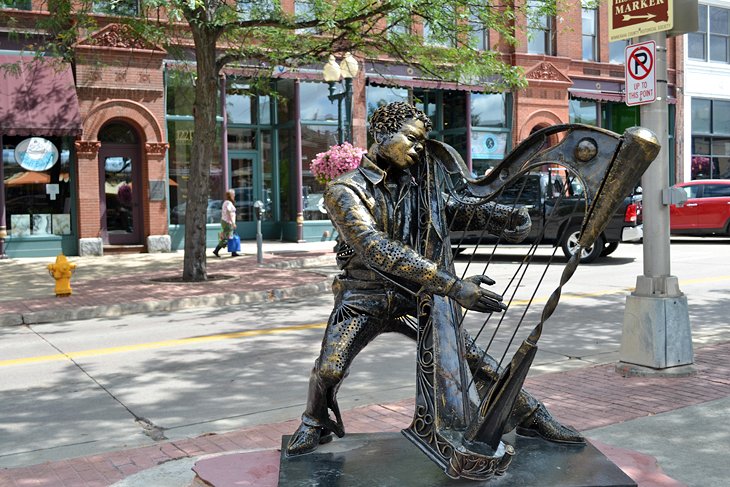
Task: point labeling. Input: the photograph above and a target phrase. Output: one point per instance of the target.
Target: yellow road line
(161, 344)
(285, 329)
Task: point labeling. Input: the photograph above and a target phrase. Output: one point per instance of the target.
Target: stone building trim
(88, 148)
(117, 37)
(156, 148)
(546, 71)
(127, 110)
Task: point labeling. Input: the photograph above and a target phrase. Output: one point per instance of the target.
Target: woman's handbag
(234, 243)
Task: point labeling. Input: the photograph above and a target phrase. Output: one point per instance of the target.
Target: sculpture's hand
(468, 293)
(518, 226)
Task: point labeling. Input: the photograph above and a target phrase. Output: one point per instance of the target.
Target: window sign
(36, 154)
(488, 145)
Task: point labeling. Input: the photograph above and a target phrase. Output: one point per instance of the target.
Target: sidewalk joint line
(136, 418)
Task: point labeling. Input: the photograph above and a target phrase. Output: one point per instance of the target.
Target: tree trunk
(204, 136)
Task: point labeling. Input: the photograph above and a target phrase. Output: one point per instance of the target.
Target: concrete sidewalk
(679, 421)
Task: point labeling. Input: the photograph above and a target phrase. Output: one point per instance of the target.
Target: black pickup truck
(541, 193)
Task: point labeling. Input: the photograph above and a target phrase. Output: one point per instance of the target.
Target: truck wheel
(609, 248)
(570, 245)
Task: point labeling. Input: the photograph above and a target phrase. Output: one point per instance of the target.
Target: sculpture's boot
(306, 439)
(542, 423)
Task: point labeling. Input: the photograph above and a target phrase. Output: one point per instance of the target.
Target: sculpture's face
(404, 148)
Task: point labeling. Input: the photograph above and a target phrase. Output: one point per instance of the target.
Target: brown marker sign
(634, 18)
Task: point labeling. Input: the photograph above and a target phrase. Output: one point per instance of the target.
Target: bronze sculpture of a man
(390, 251)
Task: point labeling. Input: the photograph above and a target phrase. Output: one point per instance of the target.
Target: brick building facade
(126, 163)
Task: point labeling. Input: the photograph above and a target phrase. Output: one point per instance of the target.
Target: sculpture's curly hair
(388, 119)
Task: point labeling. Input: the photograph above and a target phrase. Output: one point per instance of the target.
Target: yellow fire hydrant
(62, 271)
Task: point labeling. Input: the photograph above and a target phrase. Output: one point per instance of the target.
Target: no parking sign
(640, 69)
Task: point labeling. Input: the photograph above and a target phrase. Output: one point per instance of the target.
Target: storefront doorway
(120, 185)
(246, 182)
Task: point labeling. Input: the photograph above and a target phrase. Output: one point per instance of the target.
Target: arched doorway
(120, 160)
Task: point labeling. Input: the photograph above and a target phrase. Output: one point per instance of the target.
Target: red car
(706, 211)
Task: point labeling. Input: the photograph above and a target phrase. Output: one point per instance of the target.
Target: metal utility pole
(656, 335)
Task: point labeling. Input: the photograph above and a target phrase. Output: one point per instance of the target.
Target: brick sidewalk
(586, 398)
(136, 290)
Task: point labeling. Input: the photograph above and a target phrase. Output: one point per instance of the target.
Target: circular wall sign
(36, 154)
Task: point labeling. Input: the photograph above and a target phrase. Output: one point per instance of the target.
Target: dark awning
(408, 82)
(596, 95)
(37, 97)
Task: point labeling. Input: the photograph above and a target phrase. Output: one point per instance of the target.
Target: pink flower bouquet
(339, 159)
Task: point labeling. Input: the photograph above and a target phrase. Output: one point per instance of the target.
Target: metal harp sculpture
(454, 424)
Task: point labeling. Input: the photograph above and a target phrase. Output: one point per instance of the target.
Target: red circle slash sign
(640, 62)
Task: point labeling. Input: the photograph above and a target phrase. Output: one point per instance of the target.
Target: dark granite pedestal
(390, 460)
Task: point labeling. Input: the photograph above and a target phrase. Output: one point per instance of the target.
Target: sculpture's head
(399, 130)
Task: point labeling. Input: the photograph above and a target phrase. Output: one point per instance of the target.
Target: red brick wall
(127, 86)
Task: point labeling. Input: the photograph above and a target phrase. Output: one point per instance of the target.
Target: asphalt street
(77, 388)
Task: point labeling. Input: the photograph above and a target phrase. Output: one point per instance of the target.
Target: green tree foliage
(258, 34)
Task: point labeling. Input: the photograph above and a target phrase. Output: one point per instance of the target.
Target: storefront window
(315, 139)
(454, 110)
(710, 141)
(488, 110)
(241, 139)
(490, 132)
(245, 107)
(315, 104)
(37, 190)
(180, 92)
(378, 96)
(583, 111)
(180, 134)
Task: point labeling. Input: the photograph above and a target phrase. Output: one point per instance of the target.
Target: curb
(122, 309)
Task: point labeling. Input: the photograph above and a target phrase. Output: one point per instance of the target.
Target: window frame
(592, 37)
(546, 30)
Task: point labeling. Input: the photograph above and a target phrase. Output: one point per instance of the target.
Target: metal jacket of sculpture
(393, 215)
(381, 222)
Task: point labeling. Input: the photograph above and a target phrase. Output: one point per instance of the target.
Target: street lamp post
(332, 73)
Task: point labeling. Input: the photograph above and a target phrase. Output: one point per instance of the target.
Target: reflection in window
(590, 32)
(399, 23)
(540, 30)
(719, 34)
(441, 35)
(583, 111)
(711, 41)
(180, 92)
(479, 36)
(37, 203)
(256, 9)
(180, 137)
(243, 106)
(315, 139)
(18, 4)
(125, 8)
(304, 11)
(617, 51)
(315, 106)
(488, 110)
(710, 139)
(697, 41)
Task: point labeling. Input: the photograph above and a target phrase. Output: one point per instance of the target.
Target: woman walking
(228, 223)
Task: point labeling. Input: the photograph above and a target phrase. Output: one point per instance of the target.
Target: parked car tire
(570, 244)
(609, 248)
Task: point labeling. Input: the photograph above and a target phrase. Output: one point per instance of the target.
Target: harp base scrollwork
(459, 462)
(438, 428)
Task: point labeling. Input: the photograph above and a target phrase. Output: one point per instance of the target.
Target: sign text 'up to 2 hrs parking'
(640, 73)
